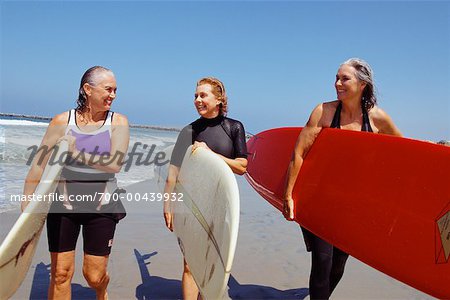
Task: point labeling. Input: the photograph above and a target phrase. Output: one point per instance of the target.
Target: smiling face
(101, 95)
(206, 102)
(347, 85)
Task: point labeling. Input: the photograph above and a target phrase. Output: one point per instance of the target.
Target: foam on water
(5, 122)
(16, 136)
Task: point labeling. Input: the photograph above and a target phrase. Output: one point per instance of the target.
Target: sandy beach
(271, 261)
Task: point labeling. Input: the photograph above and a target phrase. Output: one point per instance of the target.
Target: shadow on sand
(41, 281)
(253, 291)
(154, 287)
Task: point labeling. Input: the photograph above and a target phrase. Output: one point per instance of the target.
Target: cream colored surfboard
(206, 220)
(17, 250)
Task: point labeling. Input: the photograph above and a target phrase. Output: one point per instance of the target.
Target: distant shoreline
(12, 115)
(41, 118)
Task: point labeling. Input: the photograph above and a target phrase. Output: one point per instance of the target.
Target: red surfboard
(384, 200)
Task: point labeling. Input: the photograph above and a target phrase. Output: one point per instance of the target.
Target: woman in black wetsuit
(355, 110)
(213, 131)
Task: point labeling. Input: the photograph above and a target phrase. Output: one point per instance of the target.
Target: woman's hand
(23, 205)
(199, 145)
(168, 215)
(71, 142)
(288, 208)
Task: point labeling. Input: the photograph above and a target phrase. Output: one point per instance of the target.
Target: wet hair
(364, 73)
(218, 89)
(91, 77)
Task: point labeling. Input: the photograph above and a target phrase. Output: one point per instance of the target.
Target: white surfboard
(206, 221)
(17, 249)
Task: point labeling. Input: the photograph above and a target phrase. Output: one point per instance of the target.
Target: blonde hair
(218, 89)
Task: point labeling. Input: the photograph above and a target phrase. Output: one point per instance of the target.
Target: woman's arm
(184, 140)
(304, 142)
(171, 181)
(55, 130)
(384, 123)
(237, 165)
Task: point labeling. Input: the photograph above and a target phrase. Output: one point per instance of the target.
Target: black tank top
(336, 123)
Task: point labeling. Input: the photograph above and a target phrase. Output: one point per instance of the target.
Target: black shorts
(63, 230)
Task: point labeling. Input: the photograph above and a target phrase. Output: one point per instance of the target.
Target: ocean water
(18, 135)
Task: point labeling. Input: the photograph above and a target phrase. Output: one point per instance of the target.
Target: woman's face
(347, 85)
(206, 102)
(101, 96)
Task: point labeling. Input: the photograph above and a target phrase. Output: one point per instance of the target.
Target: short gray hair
(364, 73)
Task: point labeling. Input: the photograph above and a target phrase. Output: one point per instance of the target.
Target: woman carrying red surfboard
(355, 109)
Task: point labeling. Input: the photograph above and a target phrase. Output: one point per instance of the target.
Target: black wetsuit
(328, 262)
(223, 135)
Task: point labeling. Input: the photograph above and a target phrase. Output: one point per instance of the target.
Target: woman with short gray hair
(355, 109)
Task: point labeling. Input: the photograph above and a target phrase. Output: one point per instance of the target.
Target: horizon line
(164, 128)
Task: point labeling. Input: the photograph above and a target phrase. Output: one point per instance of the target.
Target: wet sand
(271, 261)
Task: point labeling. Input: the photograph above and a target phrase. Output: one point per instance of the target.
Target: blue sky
(277, 59)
